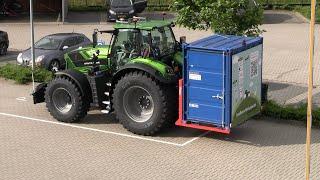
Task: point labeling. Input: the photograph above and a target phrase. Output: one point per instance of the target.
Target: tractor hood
(86, 53)
(81, 59)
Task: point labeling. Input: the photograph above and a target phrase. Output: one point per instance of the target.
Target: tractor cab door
(126, 46)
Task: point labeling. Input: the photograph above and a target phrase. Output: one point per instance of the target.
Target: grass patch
(299, 113)
(306, 12)
(23, 75)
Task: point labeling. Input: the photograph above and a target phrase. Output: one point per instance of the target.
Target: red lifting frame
(181, 122)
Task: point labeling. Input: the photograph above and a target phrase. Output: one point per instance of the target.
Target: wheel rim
(55, 66)
(62, 100)
(138, 104)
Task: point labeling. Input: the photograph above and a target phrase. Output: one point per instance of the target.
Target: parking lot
(35, 146)
(285, 46)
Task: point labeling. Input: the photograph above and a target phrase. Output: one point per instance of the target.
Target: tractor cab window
(163, 41)
(126, 45)
(145, 46)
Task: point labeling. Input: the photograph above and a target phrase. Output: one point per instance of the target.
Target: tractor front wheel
(140, 103)
(65, 101)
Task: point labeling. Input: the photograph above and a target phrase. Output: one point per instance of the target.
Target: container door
(205, 87)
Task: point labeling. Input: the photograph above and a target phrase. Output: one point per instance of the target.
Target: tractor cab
(153, 40)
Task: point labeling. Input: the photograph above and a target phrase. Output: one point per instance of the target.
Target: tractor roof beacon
(135, 76)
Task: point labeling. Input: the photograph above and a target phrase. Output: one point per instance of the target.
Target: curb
(306, 20)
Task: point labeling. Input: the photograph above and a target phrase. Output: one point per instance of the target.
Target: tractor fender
(148, 69)
(80, 80)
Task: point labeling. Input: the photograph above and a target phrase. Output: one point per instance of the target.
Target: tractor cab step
(106, 102)
(105, 111)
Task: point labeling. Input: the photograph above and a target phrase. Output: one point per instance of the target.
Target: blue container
(222, 80)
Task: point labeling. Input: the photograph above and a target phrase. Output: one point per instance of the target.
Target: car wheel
(3, 48)
(54, 66)
(108, 18)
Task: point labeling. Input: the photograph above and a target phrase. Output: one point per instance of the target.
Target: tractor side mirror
(183, 39)
(94, 39)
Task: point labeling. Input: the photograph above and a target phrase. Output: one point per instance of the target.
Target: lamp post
(32, 42)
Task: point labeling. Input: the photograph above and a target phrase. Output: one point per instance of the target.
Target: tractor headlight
(131, 12)
(39, 59)
(112, 12)
(19, 58)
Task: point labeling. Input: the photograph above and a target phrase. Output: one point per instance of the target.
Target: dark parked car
(124, 9)
(4, 42)
(50, 50)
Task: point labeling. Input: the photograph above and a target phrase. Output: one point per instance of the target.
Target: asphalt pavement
(36, 146)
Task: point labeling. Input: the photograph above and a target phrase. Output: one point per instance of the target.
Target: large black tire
(173, 105)
(3, 48)
(146, 123)
(65, 101)
(108, 18)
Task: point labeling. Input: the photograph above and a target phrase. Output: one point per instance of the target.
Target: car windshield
(48, 43)
(121, 3)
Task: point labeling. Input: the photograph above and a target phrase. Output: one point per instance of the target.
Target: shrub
(23, 75)
(272, 109)
(239, 17)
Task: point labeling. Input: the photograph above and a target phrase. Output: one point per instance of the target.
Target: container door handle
(218, 97)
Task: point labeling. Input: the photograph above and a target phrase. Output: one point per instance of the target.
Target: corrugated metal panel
(208, 78)
(204, 78)
(225, 42)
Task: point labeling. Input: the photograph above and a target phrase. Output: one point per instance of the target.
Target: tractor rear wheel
(140, 103)
(65, 101)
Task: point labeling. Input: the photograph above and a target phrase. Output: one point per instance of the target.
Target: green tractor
(136, 76)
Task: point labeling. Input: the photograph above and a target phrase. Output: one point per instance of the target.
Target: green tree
(239, 17)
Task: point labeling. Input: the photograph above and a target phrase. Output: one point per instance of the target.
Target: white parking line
(21, 99)
(195, 138)
(106, 132)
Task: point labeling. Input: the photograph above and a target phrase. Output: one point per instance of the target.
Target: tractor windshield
(163, 41)
(126, 45)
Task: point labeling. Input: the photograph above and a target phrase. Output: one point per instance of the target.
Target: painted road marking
(107, 132)
(195, 138)
(21, 99)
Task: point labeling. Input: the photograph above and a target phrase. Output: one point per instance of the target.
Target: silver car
(50, 50)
